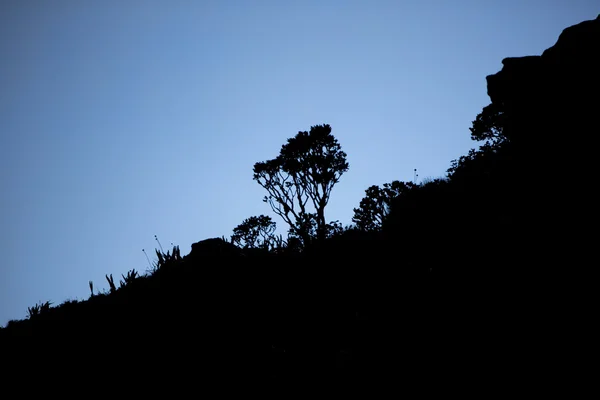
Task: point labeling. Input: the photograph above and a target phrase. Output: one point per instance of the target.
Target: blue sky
(121, 120)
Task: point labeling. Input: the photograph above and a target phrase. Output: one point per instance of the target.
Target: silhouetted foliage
(307, 168)
(39, 309)
(334, 229)
(111, 283)
(128, 279)
(255, 233)
(166, 260)
(489, 125)
(374, 207)
(309, 223)
(493, 157)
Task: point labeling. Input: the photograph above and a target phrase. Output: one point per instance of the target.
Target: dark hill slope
(456, 285)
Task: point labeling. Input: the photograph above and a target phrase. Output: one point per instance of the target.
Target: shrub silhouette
(255, 233)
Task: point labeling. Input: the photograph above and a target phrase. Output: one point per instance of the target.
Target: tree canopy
(374, 207)
(300, 179)
(254, 233)
(488, 126)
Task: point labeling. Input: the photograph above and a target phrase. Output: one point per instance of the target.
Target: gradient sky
(121, 120)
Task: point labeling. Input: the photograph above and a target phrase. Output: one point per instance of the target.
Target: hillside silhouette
(452, 278)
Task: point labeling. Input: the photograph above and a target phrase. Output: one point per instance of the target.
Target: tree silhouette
(255, 233)
(374, 207)
(493, 155)
(489, 125)
(307, 168)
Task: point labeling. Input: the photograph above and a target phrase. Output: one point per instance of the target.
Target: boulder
(214, 247)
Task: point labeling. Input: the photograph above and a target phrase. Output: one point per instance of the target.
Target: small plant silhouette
(156, 238)
(168, 258)
(39, 309)
(111, 283)
(163, 258)
(131, 276)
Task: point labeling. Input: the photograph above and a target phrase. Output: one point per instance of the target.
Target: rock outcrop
(552, 100)
(214, 247)
(552, 106)
(553, 97)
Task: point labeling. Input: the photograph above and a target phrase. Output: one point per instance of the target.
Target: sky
(122, 120)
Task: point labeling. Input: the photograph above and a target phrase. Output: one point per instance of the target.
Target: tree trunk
(321, 224)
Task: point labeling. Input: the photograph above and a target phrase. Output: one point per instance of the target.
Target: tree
(493, 156)
(489, 126)
(374, 207)
(302, 177)
(254, 232)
